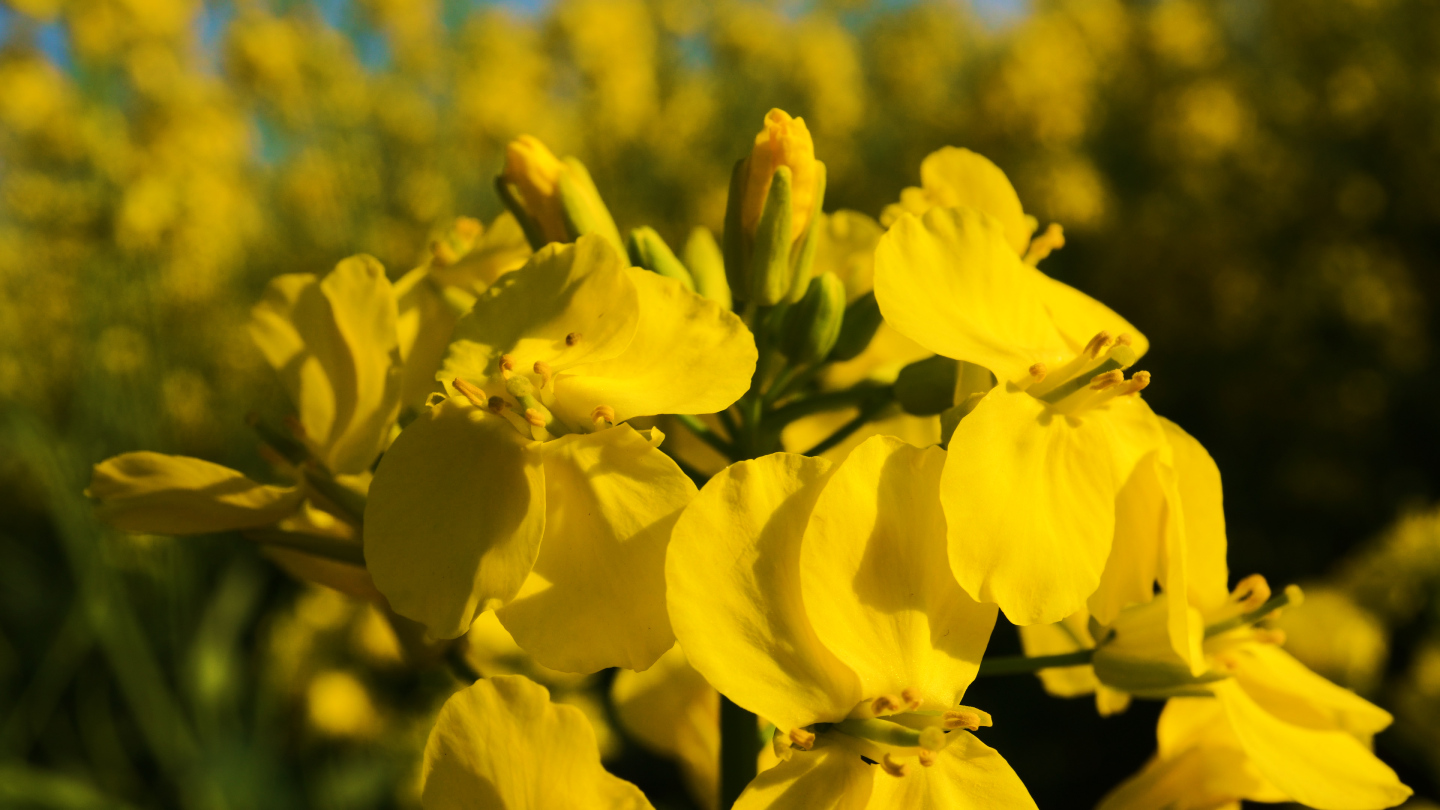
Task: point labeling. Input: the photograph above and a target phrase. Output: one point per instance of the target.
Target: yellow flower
(535, 172)
(502, 743)
(522, 491)
(1246, 720)
(333, 341)
(1030, 491)
(818, 597)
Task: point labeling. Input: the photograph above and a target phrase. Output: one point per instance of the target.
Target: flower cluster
(485, 441)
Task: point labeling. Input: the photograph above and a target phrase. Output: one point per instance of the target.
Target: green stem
(705, 434)
(831, 401)
(740, 745)
(1020, 664)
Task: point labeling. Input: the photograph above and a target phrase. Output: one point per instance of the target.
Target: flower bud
(775, 198)
(927, 387)
(554, 200)
(707, 267)
(862, 320)
(649, 251)
(813, 325)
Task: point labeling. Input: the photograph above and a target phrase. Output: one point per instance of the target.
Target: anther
(1122, 339)
(507, 365)
(1037, 373)
(497, 404)
(543, 369)
(1052, 239)
(1274, 636)
(602, 413)
(802, 739)
(471, 392)
(885, 704)
(296, 428)
(1139, 381)
(893, 766)
(968, 719)
(1098, 344)
(927, 758)
(1109, 379)
(911, 697)
(572, 338)
(1251, 592)
(534, 417)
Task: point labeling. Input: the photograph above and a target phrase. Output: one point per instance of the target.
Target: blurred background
(1253, 183)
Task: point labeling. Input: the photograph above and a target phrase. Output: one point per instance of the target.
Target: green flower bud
(927, 387)
(707, 267)
(554, 200)
(649, 251)
(813, 324)
(862, 319)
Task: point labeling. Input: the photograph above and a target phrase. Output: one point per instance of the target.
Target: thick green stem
(1020, 664)
(740, 744)
(705, 434)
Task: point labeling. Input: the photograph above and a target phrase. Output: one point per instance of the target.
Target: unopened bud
(862, 320)
(649, 251)
(775, 197)
(927, 387)
(554, 200)
(707, 267)
(813, 325)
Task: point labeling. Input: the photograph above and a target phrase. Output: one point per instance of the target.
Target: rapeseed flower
(1029, 493)
(522, 490)
(817, 596)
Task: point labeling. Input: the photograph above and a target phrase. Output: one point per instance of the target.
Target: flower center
(1092, 378)
(525, 399)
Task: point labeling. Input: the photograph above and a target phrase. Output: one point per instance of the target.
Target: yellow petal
(967, 775)
(953, 177)
(334, 343)
(1198, 480)
(501, 743)
(352, 580)
(733, 587)
(689, 355)
(670, 709)
(1137, 654)
(153, 492)
(951, 283)
(1289, 690)
(1325, 769)
(426, 320)
(1030, 499)
(1069, 635)
(579, 290)
(846, 247)
(1078, 317)
(454, 517)
(596, 597)
(876, 582)
(501, 249)
(831, 777)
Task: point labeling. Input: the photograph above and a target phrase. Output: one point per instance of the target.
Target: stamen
(1046, 243)
(1274, 636)
(507, 365)
(893, 766)
(1138, 382)
(1109, 379)
(543, 369)
(911, 697)
(602, 413)
(471, 392)
(1243, 597)
(1098, 344)
(1037, 373)
(296, 428)
(535, 418)
(885, 704)
(927, 758)
(572, 338)
(1122, 339)
(497, 404)
(523, 390)
(966, 718)
(802, 739)
(1251, 592)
